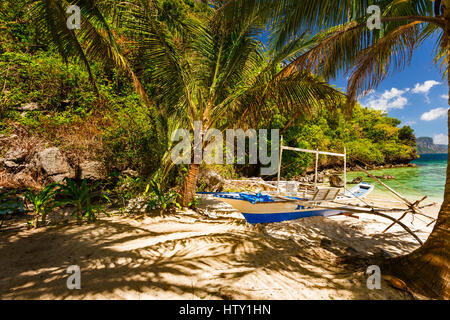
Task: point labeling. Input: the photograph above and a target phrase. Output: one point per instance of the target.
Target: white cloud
(390, 99)
(441, 139)
(434, 114)
(444, 96)
(409, 123)
(425, 87)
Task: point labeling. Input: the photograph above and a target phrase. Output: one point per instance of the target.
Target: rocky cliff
(426, 145)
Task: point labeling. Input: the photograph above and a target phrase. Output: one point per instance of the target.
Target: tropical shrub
(43, 201)
(160, 200)
(82, 196)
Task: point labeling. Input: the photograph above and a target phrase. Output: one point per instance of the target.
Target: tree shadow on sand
(119, 260)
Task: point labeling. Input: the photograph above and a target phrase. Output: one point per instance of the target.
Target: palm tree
(208, 69)
(94, 41)
(193, 65)
(345, 43)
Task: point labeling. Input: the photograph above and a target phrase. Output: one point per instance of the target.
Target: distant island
(425, 145)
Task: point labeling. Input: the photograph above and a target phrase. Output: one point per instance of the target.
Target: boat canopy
(317, 153)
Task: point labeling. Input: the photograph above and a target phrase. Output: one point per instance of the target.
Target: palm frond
(373, 64)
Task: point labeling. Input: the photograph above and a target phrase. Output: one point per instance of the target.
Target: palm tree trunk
(190, 184)
(426, 270)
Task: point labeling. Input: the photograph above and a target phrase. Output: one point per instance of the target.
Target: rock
(60, 177)
(17, 155)
(92, 170)
(10, 164)
(387, 177)
(211, 181)
(357, 180)
(32, 106)
(130, 173)
(24, 179)
(336, 181)
(54, 164)
(324, 242)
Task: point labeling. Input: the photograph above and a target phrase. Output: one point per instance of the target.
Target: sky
(418, 95)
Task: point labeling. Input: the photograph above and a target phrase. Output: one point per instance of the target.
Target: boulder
(16, 155)
(53, 163)
(92, 170)
(336, 181)
(211, 181)
(388, 177)
(357, 180)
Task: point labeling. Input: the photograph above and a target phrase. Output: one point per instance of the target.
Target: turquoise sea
(428, 179)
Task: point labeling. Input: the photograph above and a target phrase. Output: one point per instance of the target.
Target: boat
(287, 204)
(264, 208)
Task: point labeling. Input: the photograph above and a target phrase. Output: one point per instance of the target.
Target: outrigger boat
(290, 203)
(264, 208)
(267, 208)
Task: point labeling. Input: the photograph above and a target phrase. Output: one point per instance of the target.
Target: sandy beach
(213, 254)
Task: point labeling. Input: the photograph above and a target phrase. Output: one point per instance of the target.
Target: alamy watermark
(374, 279)
(74, 280)
(74, 20)
(208, 146)
(374, 21)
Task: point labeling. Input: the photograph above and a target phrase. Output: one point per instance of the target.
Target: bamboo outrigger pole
(411, 205)
(279, 165)
(345, 169)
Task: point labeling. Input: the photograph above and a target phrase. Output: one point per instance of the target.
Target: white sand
(214, 255)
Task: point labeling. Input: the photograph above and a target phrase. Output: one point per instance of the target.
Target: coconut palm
(95, 39)
(193, 65)
(205, 68)
(345, 43)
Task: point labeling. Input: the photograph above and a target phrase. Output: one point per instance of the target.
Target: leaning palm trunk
(426, 270)
(190, 185)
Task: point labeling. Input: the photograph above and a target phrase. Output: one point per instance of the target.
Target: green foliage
(160, 200)
(132, 135)
(407, 136)
(370, 137)
(82, 196)
(135, 139)
(48, 81)
(125, 189)
(43, 201)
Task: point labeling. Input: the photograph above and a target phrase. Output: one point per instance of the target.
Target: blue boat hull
(255, 218)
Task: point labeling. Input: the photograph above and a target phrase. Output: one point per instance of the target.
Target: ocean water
(428, 179)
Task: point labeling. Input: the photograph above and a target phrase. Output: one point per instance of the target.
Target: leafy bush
(43, 201)
(135, 139)
(160, 200)
(82, 196)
